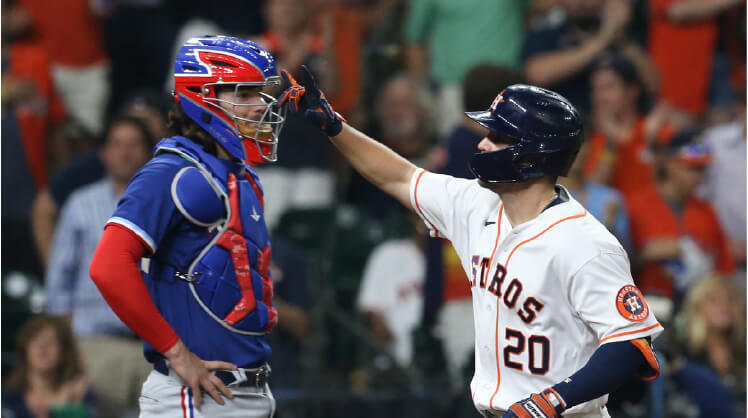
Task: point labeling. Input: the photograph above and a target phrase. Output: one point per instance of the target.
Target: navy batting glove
(546, 404)
(308, 98)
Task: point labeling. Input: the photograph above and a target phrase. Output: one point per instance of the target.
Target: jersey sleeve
(147, 208)
(604, 295)
(442, 201)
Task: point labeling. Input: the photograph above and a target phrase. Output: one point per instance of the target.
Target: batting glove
(308, 98)
(546, 404)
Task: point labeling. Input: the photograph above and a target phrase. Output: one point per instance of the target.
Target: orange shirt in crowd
(67, 30)
(456, 285)
(683, 54)
(347, 44)
(652, 218)
(632, 161)
(30, 62)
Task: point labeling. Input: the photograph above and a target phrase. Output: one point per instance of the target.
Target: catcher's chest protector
(230, 276)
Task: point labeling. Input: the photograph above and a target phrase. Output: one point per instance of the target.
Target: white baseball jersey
(546, 293)
(392, 285)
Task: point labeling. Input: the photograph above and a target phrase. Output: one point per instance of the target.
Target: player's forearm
(377, 163)
(686, 10)
(115, 271)
(612, 365)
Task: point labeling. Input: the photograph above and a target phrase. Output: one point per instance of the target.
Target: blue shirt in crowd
(70, 289)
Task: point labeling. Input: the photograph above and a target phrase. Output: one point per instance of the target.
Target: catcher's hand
(546, 404)
(308, 98)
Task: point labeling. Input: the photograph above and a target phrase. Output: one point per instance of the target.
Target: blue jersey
(208, 272)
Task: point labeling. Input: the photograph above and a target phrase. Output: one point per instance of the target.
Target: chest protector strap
(233, 241)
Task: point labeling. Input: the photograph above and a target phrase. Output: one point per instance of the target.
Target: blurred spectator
(152, 107)
(302, 177)
(400, 121)
(391, 292)
(447, 38)
(48, 378)
(454, 321)
(87, 167)
(71, 34)
(712, 329)
(111, 353)
(604, 203)
(682, 40)
(620, 144)
(383, 52)
(727, 143)
(560, 55)
(292, 299)
(138, 36)
(237, 18)
(66, 141)
(30, 109)
(344, 25)
(289, 37)
(677, 236)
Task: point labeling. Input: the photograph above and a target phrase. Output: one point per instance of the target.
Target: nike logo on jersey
(488, 223)
(255, 215)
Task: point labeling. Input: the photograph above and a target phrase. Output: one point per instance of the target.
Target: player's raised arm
(377, 163)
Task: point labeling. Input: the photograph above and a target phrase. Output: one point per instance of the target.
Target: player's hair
(68, 366)
(182, 125)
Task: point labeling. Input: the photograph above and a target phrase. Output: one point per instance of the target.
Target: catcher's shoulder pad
(198, 198)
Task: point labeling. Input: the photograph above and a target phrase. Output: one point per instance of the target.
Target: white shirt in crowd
(392, 286)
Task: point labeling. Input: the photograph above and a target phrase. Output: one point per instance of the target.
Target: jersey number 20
(538, 351)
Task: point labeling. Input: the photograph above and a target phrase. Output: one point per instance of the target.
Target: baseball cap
(684, 148)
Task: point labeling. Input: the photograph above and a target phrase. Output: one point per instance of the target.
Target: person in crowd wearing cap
(677, 236)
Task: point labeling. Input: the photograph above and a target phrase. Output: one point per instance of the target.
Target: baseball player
(558, 321)
(195, 212)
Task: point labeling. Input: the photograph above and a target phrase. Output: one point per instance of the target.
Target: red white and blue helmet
(205, 64)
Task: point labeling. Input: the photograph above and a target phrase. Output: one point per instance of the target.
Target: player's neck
(525, 201)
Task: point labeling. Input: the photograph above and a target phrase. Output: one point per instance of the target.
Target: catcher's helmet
(547, 128)
(204, 65)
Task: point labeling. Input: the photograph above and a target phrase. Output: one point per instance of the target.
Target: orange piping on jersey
(644, 347)
(506, 265)
(418, 207)
(496, 333)
(629, 332)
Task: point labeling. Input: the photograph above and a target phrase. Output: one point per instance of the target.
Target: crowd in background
(376, 317)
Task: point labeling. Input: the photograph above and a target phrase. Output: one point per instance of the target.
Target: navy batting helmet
(547, 128)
